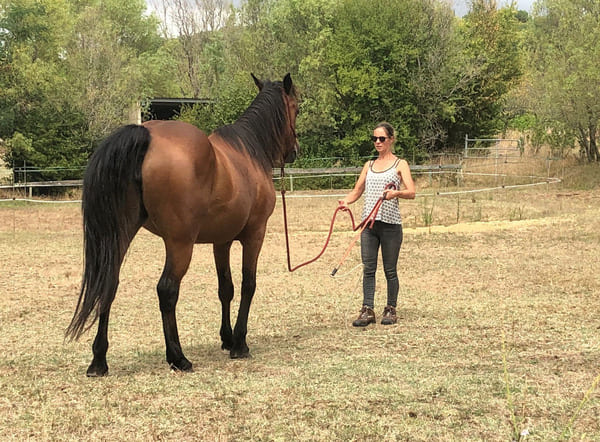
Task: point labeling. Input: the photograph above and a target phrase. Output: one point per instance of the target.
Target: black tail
(111, 189)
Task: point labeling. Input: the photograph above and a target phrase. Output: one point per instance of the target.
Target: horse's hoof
(226, 347)
(96, 372)
(239, 353)
(183, 365)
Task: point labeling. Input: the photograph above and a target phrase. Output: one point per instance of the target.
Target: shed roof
(165, 108)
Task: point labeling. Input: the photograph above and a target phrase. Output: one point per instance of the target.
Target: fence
(35, 184)
(292, 175)
(482, 163)
(503, 149)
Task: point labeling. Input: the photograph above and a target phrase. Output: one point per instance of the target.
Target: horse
(188, 188)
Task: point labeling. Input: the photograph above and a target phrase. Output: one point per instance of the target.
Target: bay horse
(188, 188)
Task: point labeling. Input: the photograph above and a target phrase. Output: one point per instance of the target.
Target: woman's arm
(408, 192)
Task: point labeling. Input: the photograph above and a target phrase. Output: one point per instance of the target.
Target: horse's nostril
(291, 157)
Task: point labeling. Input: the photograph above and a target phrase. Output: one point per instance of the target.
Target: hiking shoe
(389, 315)
(365, 317)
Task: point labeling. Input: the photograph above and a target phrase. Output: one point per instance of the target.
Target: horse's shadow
(208, 356)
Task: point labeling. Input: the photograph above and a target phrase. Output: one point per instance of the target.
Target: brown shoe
(389, 315)
(365, 317)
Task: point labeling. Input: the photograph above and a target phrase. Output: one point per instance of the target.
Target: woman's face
(381, 134)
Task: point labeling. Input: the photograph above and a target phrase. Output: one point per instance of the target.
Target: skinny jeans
(389, 238)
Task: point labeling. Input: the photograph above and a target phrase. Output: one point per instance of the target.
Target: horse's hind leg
(176, 265)
(221, 253)
(99, 366)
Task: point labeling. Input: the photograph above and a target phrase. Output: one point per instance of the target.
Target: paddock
(498, 329)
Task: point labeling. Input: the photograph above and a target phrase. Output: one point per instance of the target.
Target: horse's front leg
(176, 265)
(221, 253)
(251, 250)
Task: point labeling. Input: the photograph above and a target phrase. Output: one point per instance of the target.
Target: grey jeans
(389, 238)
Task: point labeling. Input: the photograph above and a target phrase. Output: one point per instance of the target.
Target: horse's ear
(287, 83)
(257, 82)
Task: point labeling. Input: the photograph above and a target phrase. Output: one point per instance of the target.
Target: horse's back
(180, 155)
(172, 140)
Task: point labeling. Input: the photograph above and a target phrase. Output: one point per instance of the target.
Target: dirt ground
(498, 332)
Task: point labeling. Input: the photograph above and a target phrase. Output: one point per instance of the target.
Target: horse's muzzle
(292, 154)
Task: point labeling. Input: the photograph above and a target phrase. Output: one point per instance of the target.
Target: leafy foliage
(493, 66)
(563, 45)
(72, 70)
(69, 74)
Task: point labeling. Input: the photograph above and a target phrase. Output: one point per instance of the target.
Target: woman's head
(387, 127)
(383, 136)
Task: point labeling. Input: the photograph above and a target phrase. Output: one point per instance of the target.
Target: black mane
(260, 129)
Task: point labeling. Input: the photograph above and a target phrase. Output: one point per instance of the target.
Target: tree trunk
(588, 145)
(583, 144)
(593, 146)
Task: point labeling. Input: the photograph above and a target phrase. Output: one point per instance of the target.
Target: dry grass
(498, 333)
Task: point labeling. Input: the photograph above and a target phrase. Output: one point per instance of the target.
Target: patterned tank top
(389, 212)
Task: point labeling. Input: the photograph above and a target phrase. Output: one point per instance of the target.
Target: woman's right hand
(342, 204)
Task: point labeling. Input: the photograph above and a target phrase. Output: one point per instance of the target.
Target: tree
(194, 35)
(284, 36)
(268, 38)
(103, 60)
(564, 46)
(391, 61)
(34, 87)
(72, 69)
(492, 67)
(359, 62)
(69, 75)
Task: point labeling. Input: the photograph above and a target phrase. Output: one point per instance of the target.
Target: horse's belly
(211, 233)
(231, 223)
(207, 232)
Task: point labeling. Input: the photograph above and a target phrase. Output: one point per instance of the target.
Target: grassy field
(498, 336)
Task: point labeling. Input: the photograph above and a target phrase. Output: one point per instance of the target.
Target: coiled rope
(367, 222)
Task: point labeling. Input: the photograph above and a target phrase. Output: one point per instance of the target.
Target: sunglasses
(381, 139)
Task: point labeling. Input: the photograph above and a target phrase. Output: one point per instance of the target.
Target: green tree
(226, 104)
(389, 60)
(106, 53)
(268, 38)
(34, 88)
(194, 43)
(564, 46)
(492, 67)
(69, 74)
(72, 69)
(359, 62)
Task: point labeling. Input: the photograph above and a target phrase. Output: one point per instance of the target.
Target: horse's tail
(112, 211)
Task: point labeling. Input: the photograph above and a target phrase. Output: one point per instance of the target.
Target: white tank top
(375, 184)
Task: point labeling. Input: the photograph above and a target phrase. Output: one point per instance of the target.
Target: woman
(387, 230)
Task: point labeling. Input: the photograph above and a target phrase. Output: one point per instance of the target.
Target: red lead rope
(368, 221)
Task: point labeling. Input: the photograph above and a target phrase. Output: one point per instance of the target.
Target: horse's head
(290, 146)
